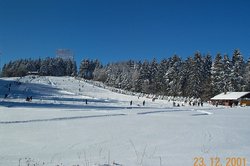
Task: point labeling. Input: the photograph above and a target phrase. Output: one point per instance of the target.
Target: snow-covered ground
(58, 128)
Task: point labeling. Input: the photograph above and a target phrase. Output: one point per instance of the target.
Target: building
(232, 98)
(32, 73)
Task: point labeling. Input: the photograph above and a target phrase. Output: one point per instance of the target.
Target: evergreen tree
(99, 73)
(217, 75)
(159, 78)
(87, 68)
(153, 69)
(247, 76)
(172, 79)
(227, 74)
(206, 86)
(238, 71)
(186, 71)
(137, 78)
(144, 78)
(196, 76)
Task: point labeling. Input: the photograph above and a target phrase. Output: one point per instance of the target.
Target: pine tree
(44, 70)
(99, 74)
(206, 86)
(227, 74)
(217, 75)
(144, 77)
(238, 71)
(159, 78)
(196, 76)
(137, 78)
(247, 76)
(186, 71)
(87, 68)
(153, 69)
(172, 79)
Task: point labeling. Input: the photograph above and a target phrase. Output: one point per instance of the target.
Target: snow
(58, 128)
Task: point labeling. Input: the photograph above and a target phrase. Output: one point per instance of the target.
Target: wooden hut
(232, 98)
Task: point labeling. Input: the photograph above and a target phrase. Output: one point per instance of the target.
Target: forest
(198, 76)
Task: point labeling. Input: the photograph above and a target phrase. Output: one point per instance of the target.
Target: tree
(227, 74)
(196, 76)
(159, 78)
(137, 78)
(172, 79)
(247, 76)
(144, 77)
(206, 86)
(87, 68)
(238, 71)
(153, 69)
(217, 75)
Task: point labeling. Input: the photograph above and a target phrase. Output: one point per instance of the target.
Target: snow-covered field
(58, 128)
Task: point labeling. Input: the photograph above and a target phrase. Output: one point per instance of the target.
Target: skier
(86, 101)
(143, 103)
(27, 98)
(131, 102)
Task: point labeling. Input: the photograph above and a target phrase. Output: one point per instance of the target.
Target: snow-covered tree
(227, 74)
(159, 78)
(153, 69)
(87, 68)
(217, 75)
(247, 76)
(238, 71)
(144, 77)
(206, 85)
(172, 78)
(196, 76)
(137, 78)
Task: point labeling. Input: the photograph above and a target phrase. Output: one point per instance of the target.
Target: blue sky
(116, 30)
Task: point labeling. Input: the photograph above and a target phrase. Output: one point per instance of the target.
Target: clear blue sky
(116, 30)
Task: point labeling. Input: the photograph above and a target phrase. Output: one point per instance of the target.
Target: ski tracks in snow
(201, 112)
(136, 113)
(59, 119)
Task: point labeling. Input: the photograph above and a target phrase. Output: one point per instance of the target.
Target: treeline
(44, 67)
(199, 76)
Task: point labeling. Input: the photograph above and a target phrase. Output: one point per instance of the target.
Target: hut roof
(230, 96)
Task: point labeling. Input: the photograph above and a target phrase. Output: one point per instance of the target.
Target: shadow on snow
(11, 104)
(59, 119)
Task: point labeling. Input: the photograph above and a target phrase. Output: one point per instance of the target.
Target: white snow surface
(58, 128)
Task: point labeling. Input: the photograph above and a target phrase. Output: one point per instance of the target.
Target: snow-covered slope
(58, 128)
(64, 91)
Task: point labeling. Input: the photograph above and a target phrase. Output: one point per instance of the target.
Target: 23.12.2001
(216, 161)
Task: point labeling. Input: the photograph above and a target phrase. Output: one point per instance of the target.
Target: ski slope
(58, 128)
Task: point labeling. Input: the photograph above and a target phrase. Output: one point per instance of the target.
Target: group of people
(29, 98)
(174, 103)
(199, 103)
(143, 103)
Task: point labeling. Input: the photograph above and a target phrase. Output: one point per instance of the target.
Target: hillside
(58, 128)
(57, 91)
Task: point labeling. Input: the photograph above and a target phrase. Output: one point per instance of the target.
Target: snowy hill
(61, 90)
(58, 128)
